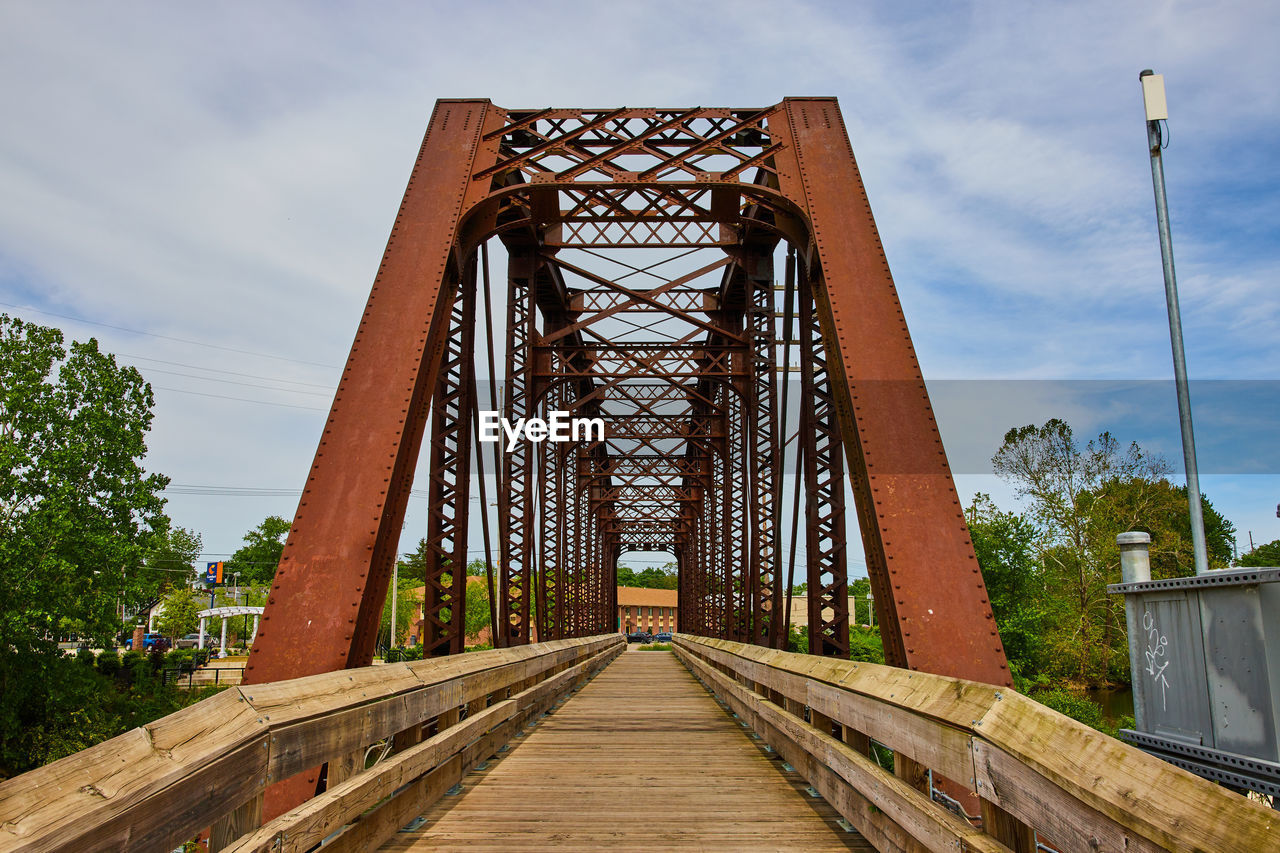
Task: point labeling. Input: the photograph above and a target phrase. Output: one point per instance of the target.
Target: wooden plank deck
(643, 759)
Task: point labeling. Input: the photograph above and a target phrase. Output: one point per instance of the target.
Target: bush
(84, 657)
(865, 645)
(403, 654)
(52, 706)
(109, 663)
(1073, 705)
(654, 647)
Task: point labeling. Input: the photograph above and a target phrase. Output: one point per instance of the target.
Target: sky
(208, 188)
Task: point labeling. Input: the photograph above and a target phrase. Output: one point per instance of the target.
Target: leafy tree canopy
(257, 559)
(1263, 555)
(79, 522)
(78, 513)
(180, 615)
(652, 578)
(1048, 571)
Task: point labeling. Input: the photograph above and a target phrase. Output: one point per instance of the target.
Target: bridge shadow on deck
(642, 758)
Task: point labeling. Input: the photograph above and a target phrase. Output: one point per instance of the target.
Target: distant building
(651, 610)
(800, 611)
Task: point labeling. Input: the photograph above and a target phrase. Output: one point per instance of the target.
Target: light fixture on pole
(1157, 110)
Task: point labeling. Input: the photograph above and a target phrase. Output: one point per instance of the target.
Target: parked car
(192, 641)
(639, 637)
(149, 642)
(662, 637)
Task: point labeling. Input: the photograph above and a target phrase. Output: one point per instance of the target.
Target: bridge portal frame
(546, 179)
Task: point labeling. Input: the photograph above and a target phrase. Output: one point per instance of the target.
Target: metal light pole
(1154, 101)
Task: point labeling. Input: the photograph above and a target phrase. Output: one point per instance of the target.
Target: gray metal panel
(1172, 668)
(1239, 684)
(1214, 579)
(1269, 598)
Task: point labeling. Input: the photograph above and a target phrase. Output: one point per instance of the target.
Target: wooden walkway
(643, 759)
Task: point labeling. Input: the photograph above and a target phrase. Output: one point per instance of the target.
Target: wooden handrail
(208, 764)
(1037, 773)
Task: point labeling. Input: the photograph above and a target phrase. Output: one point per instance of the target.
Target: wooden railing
(1038, 777)
(208, 765)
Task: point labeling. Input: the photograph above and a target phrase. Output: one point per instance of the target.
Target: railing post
(244, 819)
(912, 772)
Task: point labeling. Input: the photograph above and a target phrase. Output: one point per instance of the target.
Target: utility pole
(1157, 110)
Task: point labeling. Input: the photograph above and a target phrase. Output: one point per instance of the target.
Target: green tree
(78, 515)
(407, 609)
(169, 563)
(77, 511)
(1006, 547)
(1262, 555)
(1066, 484)
(181, 613)
(860, 611)
(257, 559)
(477, 615)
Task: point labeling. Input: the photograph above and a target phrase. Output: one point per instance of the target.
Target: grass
(654, 647)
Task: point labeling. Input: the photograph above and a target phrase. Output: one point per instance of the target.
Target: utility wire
(322, 385)
(240, 399)
(163, 337)
(236, 382)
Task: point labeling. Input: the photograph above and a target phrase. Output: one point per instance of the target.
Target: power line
(163, 337)
(240, 399)
(235, 382)
(325, 386)
(247, 491)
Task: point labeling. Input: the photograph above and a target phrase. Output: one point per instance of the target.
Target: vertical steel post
(448, 491)
(1154, 143)
(824, 487)
(516, 501)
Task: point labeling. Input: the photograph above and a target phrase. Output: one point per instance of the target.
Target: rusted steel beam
(345, 535)
(932, 602)
(326, 599)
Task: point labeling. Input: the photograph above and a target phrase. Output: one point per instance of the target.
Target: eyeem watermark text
(558, 427)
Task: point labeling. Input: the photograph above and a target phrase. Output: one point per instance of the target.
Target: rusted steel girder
(934, 613)
(325, 603)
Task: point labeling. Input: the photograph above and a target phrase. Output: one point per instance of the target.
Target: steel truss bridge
(710, 284)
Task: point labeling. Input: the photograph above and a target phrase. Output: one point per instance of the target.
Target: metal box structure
(1205, 657)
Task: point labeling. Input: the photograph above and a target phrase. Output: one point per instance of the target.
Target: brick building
(651, 610)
